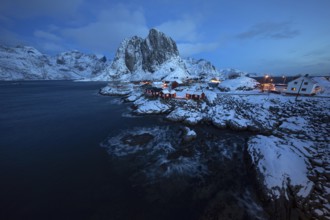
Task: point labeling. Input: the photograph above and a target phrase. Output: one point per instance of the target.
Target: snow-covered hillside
(80, 64)
(239, 83)
(27, 63)
(202, 69)
(324, 84)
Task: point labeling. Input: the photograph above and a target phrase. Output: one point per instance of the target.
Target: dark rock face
(137, 140)
(156, 49)
(146, 54)
(133, 52)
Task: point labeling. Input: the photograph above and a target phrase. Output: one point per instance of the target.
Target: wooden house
(195, 95)
(153, 91)
(165, 94)
(280, 87)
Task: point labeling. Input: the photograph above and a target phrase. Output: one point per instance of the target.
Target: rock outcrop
(138, 58)
(156, 49)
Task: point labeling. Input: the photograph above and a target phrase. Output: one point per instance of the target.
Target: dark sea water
(52, 165)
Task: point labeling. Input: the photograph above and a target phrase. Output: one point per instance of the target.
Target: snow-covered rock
(211, 97)
(231, 73)
(280, 164)
(155, 58)
(324, 83)
(202, 69)
(239, 83)
(137, 58)
(146, 106)
(189, 134)
(189, 112)
(132, 98)
(117, 89)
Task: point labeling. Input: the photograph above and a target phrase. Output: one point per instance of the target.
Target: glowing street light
(264, 81)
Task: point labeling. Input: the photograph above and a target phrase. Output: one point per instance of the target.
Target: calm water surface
(52, 165)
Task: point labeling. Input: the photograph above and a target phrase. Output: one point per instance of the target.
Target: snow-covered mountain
(27, 63)
(231, 73)
(154, 58)
(202, 68)
(80, 64)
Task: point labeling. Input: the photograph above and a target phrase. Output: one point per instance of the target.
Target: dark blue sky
(265, 36)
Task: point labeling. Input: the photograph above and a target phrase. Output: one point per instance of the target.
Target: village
(288, 115)
(197, 89)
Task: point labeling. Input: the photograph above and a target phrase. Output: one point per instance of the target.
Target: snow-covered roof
(308, 79)
(179, 81)
(172, 92)
(165, 91)
(192, 92)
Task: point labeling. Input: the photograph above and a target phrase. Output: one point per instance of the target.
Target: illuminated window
(293, 89)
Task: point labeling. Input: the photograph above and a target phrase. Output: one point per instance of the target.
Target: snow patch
(279, 165)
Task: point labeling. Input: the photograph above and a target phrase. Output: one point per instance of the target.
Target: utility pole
(299, 89)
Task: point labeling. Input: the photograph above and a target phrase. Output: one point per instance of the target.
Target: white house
(157, 84)
(302, 85)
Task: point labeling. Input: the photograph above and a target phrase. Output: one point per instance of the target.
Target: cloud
(48, 41)
(189, 49)
(185, 29)
(319, 52)
(272, 30)
(46, 35)
(5, 21)
(109, 29)
(186, 32)
(10, 38)
(33, 8)
(52, 47)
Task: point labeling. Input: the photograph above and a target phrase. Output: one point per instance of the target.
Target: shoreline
(271, 117)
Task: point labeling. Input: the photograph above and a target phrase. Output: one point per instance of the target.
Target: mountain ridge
(154, 58)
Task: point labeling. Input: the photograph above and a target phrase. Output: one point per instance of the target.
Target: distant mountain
(154, 58)
(202, 68)
(27, 63)
(233, 73)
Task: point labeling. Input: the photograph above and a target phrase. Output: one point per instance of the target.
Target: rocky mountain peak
(137, 54)
(156, 49)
